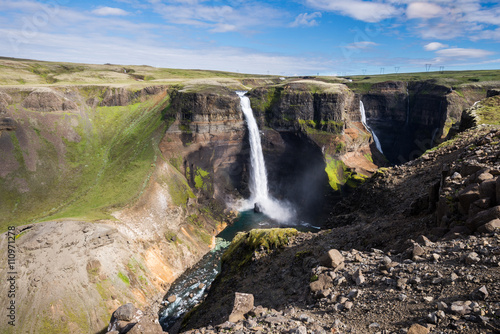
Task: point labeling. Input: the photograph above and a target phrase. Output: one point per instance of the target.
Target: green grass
(447, 78)
(489, 111)
(335, 169)
(107, 168)
(24, 71)
(200, 178)
(124, 278)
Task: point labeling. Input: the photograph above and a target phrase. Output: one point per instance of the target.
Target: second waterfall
(259, 191)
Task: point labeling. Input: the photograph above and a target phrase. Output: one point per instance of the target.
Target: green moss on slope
(245, 244)
(106, 168)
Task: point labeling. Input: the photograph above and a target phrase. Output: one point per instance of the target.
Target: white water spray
(363, 120)
(258, 175)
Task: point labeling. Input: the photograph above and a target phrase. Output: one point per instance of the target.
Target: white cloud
(464, 53)
(109, 11)
(434, 46)
(118, 50)
(423, 10)
(244, 17)
(360, 45)
(360, 10)
(306, 19)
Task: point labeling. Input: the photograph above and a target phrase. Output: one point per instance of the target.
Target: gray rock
(432, 318)
(472, 258)
(424, 241)
(459, 308)
(480, 293)
(332, 259)
(442, 306)
(467, 196)
(418, 329)
(417, 250)
(348, 305)
(487, 189)
(353, 294)
(483, 217)
(358, 277)
(125, 312)
(498, 191)
(243, 303)
(299, 330)
(490, 226)
(323, 282)
(146, 326)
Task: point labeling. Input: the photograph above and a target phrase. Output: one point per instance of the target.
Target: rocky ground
(416, 249)
(419, 251)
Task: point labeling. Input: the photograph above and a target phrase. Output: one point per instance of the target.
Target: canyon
(115, 189)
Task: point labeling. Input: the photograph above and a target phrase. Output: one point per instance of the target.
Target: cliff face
(410, 118)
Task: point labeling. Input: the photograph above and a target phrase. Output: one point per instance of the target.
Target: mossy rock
(245, 244)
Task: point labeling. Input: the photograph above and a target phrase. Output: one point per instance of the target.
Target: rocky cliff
(411, 117)
(134, 182)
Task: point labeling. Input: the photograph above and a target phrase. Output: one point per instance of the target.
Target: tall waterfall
(258, 174)
(363, 120)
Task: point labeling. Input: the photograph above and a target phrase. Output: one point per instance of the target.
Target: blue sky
(301, 37)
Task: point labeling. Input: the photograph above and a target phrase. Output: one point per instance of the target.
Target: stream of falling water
(367, 127)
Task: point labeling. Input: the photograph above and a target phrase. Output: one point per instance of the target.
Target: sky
(295, 37)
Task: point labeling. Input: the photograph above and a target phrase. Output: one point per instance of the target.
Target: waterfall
(363, 120)
(434, 134)
(258, 174)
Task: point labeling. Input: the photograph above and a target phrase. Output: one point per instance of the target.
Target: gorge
(116, 189)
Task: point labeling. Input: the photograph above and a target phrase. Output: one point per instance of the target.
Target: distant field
(33, 72)
(20, 72)
(448, 78)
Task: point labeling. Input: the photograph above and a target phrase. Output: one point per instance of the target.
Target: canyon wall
(135, 182)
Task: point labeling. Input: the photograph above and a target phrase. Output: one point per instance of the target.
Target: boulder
(417, 250)
(498, 191)
(125, 312)
(484, 176)
(480, 293)
(490, 227)
(487, 189)
(146, 325)
(332, 259)
(323, 282)
(468, 169)
(257, 208)
(483, 217)
(243, 303)
(418, 329)
(468, 196)
(478, 206)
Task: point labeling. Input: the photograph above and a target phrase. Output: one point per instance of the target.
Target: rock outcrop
(47, 99)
